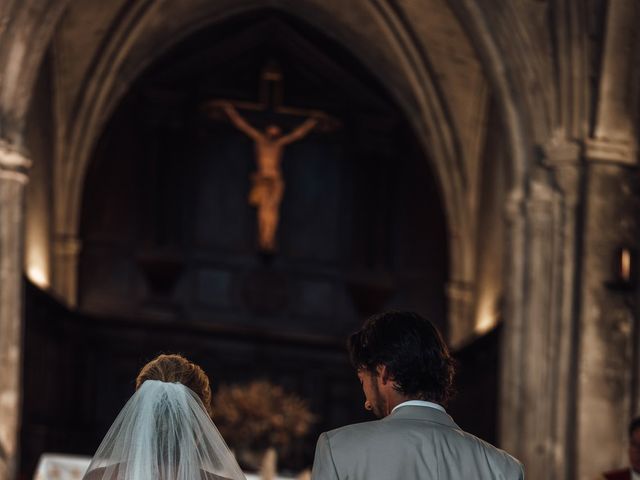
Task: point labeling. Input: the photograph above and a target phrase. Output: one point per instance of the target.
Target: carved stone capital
(461, 299)
(67, 246)
(561, 152)
(13, 163)
(460, 291)
(66, 253)
(615, 152)
(563, 157)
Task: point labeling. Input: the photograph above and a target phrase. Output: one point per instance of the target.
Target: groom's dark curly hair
(412, 349)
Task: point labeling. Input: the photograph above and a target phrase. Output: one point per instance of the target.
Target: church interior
(246, 181)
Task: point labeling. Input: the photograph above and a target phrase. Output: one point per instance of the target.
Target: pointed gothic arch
(140, 37)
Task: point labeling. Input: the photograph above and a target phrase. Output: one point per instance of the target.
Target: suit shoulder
(354, 430)
(497, 455)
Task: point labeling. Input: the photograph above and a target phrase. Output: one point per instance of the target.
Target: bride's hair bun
(177, 369)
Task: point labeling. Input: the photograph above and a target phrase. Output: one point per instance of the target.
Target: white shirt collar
(423, 403)
(634, 475)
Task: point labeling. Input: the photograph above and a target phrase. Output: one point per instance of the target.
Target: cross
(267, 182)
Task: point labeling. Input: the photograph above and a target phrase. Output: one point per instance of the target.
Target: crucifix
(267, 181)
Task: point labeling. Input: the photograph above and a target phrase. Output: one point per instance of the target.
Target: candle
(625, 265)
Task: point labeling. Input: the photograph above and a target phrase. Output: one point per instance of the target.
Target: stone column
(537, 365)
(530, 359)
(605, 376)
(13, 165)
(604, 404)
(511, 426)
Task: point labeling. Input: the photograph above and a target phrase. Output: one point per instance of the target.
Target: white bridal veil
(163, 433)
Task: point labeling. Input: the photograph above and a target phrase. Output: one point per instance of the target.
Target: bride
(165, 432)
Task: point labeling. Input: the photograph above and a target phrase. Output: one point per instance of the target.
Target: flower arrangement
(260, 415)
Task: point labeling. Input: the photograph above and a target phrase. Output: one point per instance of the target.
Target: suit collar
(410, 412)
(419, 403)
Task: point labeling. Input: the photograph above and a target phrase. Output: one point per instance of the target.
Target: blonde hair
(177, 369)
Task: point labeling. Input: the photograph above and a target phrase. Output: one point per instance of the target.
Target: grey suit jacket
(412, 443)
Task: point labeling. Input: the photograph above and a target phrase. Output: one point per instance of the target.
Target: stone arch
(26, 29)
(431, 120)
(140, 37)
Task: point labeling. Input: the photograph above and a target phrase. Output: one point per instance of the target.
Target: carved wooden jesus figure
(268, 184)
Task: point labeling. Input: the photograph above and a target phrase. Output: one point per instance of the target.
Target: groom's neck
(394, 398)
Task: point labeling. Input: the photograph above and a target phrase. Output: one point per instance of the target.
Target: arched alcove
(400, 65)
(362, 202)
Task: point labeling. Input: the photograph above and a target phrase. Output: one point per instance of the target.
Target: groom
(406, 373)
